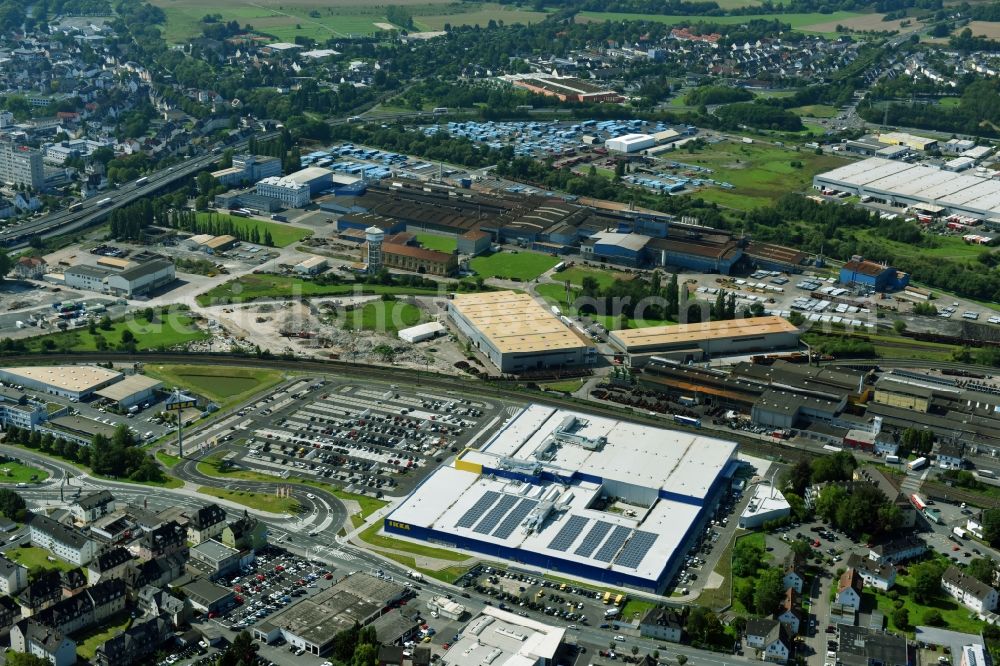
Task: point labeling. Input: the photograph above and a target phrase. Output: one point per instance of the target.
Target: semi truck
(892, 459)
(960, 533)
(918, 501)
(919, 463)
(141, 181)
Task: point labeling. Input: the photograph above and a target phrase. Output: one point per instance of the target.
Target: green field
(283, 234)
(439, 243)
(32, 557)
(88, 640)
(482, 16)
(524, 266)
(949, 102)
(956, 616)
(220, 384)
(167, 331)
(167, 460)
(815, 111)
(254, 286)
(383, 316)
(941, 247)
(567, 386)
(801, 22)
(756, 171)
(575, 274)
(12, 472)
(255, 500)
(372, 537)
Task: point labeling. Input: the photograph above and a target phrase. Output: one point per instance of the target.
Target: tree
(12, 505)
(127, 336)
(901, 618)
(926, 580)
(6, 263)
(991, 526)
(932, 617)
(899, 326)
(798, 476)
(747, 558)
(982, 568)
(768, 591)
(242, 651)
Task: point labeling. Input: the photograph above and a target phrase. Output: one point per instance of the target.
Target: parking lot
(375, 439)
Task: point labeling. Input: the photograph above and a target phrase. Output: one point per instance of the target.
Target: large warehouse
(517, 333)
(686, 342)
(70, 381)
(604, 500)
(903, 184)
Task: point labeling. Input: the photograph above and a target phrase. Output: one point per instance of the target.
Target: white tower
(374, 236)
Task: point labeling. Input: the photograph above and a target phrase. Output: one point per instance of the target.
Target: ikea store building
(598, 499)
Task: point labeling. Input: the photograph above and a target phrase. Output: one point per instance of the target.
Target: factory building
(317, 179)
(608, 501)
(418, 260)
(474, 242)
(911, 141)
(138, 279)
(68, 381)
(686, 342)
(916, 186)
(311, 266)
(290, 193)
(517, 333)
(248, 169)
(565, 88)
(878, 277)
(501, 637)
(630, 143)
(133, 390)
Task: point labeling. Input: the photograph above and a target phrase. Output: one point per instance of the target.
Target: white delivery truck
(919, 463)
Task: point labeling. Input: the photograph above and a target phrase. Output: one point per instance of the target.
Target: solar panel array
(469, 518)
(614, 542)
(489, 521)
(593, 538)
(514, 518)
(634, 552)
(568, 533)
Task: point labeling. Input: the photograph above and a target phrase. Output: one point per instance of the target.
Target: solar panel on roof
(568, 533)
(614, 542)
(593, 538)
(489, 521)
(469, 518)
(635, 550)
(514, 518)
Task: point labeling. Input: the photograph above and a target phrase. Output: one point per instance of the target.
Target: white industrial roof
(500, 638)
(430, 328)
(765, 500)
(634, 242)
(128, 387)
(312, 261)
(283, 181)
(77, 378)
(632, 138)
(308, 174)
(677, 461)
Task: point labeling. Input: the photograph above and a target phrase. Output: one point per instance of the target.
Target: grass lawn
(815, 111)
(221, 384)
(635, 609)
(575, 274)
(282, 234)
(481, 17)
(949, 102)
(437, 242)
(260, 501)
(12, 472)
(168, 330)
(167, 460)
(721, 596)
(383, 316)
(254, 286)
(525, 266)
(943, 247)
(755, 170)
(372, 537)
(30, 556)
(568, 386)
(956, 616)
(88, 640)
(801, 22)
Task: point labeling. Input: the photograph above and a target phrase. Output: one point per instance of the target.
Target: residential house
(109, 564)
(167, 539)
(849, 589)
(134, 644)
(880, 576)
(90, 608)
(64, 542)
(877, 477)
(13, 576)
(72, 581)
(245, 533)
(44, 642)
(10, 612)
(770, 638)
(206, 523)
(663, 624)
(950, 455)
(41, 593)
(92, 506)
(29, 268)
(898, 550)
(157, 601)
(788, 612)
(156, 572)
(968, 590)
(793, 576)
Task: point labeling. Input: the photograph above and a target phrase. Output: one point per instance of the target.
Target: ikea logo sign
(399, 525)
